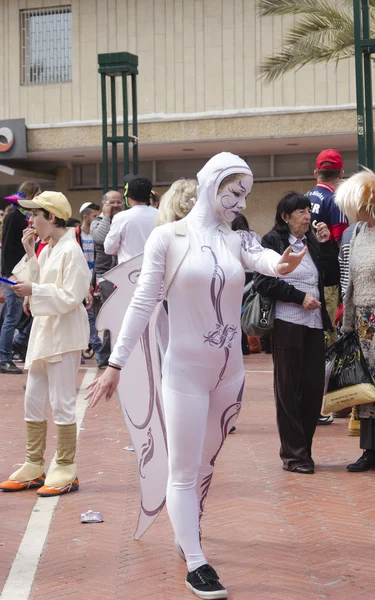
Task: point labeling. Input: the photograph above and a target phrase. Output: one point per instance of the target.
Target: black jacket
(12, 250)
(325, 259)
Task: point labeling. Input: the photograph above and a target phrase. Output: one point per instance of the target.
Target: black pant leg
(312, 381)
(367, 434)
(287, 352)
(106, 289)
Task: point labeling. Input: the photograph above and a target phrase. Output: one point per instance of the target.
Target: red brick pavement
(270, 534)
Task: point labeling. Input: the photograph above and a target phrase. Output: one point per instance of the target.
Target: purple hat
(14, 197)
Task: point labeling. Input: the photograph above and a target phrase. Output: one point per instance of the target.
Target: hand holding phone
(5, 280)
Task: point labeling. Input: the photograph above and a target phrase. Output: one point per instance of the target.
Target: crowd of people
(198, 253)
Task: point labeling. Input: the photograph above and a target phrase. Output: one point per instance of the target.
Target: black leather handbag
(258, 314)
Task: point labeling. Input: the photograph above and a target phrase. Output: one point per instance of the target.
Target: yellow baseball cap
(54, 202)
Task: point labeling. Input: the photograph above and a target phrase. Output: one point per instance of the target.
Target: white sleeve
(146, 295)
(112, 241)
(27, 270)
(257, 258)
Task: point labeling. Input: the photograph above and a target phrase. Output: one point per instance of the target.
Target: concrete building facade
(198, 94)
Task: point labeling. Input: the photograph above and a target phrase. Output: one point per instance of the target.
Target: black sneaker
(204, 583)
(18, 357)
(8, 366)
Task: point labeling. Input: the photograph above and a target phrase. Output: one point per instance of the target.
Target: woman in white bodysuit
(203, 373)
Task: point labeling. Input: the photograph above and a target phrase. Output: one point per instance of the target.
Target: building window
(89, 175)
(46, 45)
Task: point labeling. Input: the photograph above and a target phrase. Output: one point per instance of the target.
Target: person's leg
(332, 298)
(106, 289)
(62, 395)
(313, 376)
(367, 442)
(225, 406)
(31, 474)
(95, 340)
(185, 418)
(13, 312)
(287, 351)
(21, 337)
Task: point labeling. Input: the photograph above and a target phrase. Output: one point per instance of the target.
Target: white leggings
(196, 429)
(53, 383)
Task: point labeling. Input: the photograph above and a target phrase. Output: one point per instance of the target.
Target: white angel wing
(139, 390)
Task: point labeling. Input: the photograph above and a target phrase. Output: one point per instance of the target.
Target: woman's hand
(289, 261)
(28, 242)
(89, 301)
(322, 232)
(23, 289)
(311, 303)
(105, 385)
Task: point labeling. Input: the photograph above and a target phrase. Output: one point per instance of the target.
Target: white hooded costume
(201, 263)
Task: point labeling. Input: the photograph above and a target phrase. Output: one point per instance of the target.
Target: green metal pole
(104, 135)
(369, 128)
(114, 133)
(135, 123)
(359, 84)
(126, 120)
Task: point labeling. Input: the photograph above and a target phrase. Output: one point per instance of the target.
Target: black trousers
(367, 434)
(106, 289)
(299, 372)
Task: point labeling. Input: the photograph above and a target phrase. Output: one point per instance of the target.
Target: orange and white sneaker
(47, 490)
(18, 486)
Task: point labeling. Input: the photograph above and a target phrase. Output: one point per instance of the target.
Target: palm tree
(323, 32)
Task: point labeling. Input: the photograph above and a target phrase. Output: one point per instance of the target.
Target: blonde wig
(357, 193)
(178, 201)
(230, 179)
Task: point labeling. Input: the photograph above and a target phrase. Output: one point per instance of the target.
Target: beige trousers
(54, 384)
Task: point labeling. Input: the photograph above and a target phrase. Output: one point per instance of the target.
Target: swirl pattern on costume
(134, 275)
(223, 335)
(147, 452)
(145, 341)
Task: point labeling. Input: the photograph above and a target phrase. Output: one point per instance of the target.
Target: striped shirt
(344, 258)
(306, 279)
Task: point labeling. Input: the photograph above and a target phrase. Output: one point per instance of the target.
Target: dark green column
(135, 124)
(118, 64)
(104, 135)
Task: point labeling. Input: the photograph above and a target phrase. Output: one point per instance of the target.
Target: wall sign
(12, 139)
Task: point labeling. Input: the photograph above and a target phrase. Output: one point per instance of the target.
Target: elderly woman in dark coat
(298, 348)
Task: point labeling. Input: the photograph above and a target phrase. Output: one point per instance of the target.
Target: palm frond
(324, 33)
(268, 8)
(319, 30)
(295, 7)
(289, 59)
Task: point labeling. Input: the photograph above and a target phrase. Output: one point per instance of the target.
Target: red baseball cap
(333, 157)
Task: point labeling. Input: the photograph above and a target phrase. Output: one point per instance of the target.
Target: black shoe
(204, 583)
(304, 468)
(322, 420)
(7, 366)
(232, 430)
(18, 358)
(365, 463)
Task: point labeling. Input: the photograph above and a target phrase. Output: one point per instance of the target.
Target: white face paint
(232, 198)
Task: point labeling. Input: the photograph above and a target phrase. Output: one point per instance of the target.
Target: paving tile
(271, 535)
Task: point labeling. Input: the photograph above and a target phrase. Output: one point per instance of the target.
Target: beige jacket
(60, 282)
